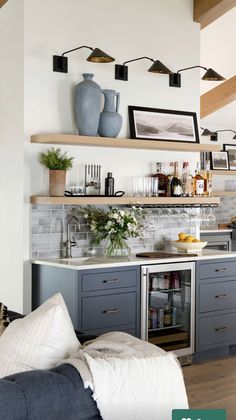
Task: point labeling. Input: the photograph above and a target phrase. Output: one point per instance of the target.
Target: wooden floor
(212, 385)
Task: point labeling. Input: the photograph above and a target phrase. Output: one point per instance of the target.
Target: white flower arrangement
(114, 225)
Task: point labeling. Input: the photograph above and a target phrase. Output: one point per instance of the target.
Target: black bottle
(109, 184)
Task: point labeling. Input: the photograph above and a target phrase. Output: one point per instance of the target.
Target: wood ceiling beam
(206, 11)
(218, 97)
(2, 2)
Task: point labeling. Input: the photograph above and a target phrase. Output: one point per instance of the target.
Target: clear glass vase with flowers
(114, 226)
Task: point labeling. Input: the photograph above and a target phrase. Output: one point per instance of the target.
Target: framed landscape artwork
(163, 124)
(219, 160)
(231, 149)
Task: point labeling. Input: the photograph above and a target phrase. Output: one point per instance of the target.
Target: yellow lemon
(182, 236)
(189, 239)
(197, 240)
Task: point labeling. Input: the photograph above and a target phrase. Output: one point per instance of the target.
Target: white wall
(161, 29)
(218, 51)
(11, 154)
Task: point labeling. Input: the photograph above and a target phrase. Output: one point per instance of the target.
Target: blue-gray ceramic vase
(110, 120)
(87, 106)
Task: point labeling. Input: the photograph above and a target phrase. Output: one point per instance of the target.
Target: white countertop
(108, 262)
(215, 230)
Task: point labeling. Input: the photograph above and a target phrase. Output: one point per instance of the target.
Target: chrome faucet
(70, 244)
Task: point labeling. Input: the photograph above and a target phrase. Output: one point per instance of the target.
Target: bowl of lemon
(189, 243)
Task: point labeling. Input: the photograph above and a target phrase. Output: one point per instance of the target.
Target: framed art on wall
(163, 124)
(219, 160)
(231, 149)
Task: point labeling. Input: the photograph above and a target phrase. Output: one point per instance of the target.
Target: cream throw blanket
(130, 378)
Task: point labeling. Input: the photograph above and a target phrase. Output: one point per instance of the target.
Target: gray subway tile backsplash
(49, 225)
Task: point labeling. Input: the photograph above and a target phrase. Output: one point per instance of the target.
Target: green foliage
(54, 159)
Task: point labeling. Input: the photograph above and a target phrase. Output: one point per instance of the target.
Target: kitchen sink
(75, 259)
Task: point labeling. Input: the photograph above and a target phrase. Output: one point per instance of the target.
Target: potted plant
(57, 163)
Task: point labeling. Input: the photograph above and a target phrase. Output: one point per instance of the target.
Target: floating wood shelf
(219, 172)
(225, 193)
(80, 201)
(75, 140)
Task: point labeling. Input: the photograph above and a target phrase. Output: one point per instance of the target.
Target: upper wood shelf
(225, 193)
(86, 200)
(71, 139)
(219, 172)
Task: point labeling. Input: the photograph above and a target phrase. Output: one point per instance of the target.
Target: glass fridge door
(168, 317)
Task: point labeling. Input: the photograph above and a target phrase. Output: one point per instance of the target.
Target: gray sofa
(57, 394)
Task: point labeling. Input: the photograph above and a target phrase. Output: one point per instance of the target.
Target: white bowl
(189, 246)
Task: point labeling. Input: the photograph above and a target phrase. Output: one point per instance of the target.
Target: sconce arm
(78, 48)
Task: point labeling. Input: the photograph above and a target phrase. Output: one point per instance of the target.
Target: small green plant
(54, 159)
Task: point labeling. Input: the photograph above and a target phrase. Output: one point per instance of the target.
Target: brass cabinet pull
(111, 281)
(218, 270)
(111, 311)
(221, 296)
(223, 329)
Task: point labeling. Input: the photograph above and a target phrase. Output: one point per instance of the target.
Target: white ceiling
(218, 50)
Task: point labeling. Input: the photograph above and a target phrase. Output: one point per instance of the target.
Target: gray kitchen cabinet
(219, 240)
(98, 300)
(215, 333)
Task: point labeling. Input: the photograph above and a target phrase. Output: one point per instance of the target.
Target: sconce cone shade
(158, 67)
(206, 132)
(212, 75)
(99, 56)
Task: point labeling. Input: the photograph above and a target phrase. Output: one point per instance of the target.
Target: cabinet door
(216, 296)
(108, 311)
(217, 269)
(108, 280)
(217, 330)
(46, 281)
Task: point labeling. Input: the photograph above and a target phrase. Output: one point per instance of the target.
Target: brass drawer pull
(218, 270)
(111, 281)
(221, 296)
(223, 329)
(111, 311)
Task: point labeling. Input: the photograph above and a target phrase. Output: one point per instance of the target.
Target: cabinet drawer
(217, 329)
(217, 269)
(216, 296)
(108, 311)
(108, 280)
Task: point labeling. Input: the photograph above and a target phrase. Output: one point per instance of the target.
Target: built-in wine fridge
(167, 314)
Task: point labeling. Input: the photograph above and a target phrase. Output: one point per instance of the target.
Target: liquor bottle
(176, 189)
(198, 182)
(109, 184)
(169, 178)
(167, 315)
(186, 181)
(207, 180)
(162, 180)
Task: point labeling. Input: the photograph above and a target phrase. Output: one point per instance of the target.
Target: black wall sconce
(60, 62)
(121, 70)
(211, 75)
(214, 134)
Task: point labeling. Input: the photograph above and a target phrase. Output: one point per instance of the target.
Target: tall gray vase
(110, 120)
(87, 106)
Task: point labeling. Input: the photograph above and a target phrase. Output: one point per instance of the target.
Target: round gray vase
(87, 106)
(110, 120)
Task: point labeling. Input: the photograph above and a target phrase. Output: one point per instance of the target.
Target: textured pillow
(4, 319)
(39, 340)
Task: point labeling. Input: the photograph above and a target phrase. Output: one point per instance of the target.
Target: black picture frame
(163, 125)
(216, 158)
(231, 156)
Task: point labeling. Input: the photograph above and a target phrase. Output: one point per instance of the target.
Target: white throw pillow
(39, 340)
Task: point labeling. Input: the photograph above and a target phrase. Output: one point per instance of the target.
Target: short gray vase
(87, 106)
(110, 120)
